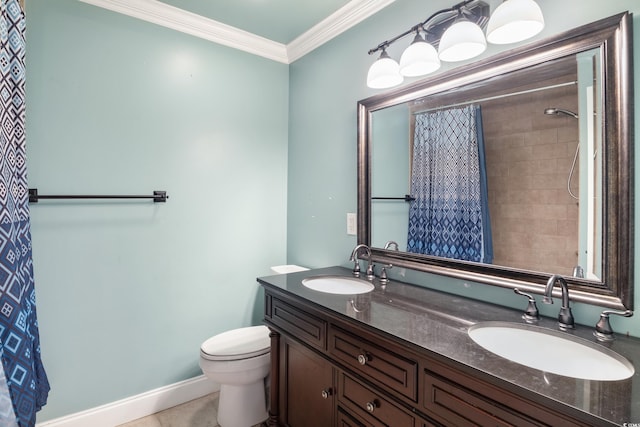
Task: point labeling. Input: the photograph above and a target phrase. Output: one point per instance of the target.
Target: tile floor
(201, 412)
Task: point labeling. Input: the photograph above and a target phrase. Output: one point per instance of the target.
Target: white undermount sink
(551, 351)
(338, 285)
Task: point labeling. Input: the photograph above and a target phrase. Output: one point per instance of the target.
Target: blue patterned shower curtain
(450, 215)
(23, 386)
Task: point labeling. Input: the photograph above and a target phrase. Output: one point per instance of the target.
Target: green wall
(127, 292)
(325, 86)
(259, 161)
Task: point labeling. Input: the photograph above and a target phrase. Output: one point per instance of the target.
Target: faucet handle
(383, 273)
(531, 314)
(603, 330)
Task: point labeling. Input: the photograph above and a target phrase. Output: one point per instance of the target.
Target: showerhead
(557, 111)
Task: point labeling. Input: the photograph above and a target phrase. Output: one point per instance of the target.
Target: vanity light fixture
(385, 72)
(463, 40)
(419, 58)
(457, 34)
(514, 21)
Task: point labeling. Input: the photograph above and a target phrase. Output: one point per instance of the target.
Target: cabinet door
(307, 387)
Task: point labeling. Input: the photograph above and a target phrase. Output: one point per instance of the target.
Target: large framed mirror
(511, 169)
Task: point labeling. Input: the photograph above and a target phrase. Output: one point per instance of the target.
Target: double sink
(540, 348)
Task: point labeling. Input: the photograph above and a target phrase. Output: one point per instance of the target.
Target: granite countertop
(438, 322)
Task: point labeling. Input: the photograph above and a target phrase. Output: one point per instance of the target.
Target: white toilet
(239, 361)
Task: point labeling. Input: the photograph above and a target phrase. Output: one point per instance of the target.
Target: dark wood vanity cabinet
(307, 392)
(328, 370)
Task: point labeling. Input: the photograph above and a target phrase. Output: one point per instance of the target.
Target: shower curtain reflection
(450, 216)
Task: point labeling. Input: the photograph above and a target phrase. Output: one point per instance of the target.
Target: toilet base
(242, 405)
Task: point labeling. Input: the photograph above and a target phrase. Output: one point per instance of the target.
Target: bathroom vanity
(401, 356)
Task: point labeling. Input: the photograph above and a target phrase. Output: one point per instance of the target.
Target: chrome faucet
(565, 318)
(356, 263)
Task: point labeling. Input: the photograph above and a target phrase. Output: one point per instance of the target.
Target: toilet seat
(237, 344)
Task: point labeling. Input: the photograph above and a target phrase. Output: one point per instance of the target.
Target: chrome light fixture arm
(420, 26)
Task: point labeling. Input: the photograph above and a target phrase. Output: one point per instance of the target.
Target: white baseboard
(134, 407)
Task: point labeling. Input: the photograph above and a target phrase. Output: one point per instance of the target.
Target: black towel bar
(158, 196)
(406, 198)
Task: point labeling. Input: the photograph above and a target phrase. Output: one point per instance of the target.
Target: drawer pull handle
(326, 393)
(363, 359)
(371, 406)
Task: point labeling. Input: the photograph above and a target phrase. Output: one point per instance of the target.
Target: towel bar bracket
(160, 196)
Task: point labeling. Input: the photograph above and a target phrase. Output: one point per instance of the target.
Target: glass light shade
(419, 58)
(514, 21)
(463, 40)
(384, 73)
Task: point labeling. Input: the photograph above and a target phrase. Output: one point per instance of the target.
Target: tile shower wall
(529, 156)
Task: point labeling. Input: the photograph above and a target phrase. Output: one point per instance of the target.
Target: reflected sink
(338, 285)
(551, 351)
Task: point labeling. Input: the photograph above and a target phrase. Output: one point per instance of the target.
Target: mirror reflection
(506, 174)
(509, 170)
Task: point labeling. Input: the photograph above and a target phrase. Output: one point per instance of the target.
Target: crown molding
(335, 24)
(160, 13)
(181, 20)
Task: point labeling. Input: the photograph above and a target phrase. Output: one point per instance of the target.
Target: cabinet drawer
(460, 408)
(382, 365)
(455, 399)
(371, 405)
(298, 323)
(346, 420)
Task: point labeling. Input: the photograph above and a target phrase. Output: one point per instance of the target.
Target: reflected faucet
(391, 244)
(383, 274)
(356, 263)
(578, 271)
(565, 318)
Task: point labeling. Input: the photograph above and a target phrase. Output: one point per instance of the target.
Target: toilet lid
(237, 344)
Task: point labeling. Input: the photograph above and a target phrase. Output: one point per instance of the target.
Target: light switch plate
(352, 224)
